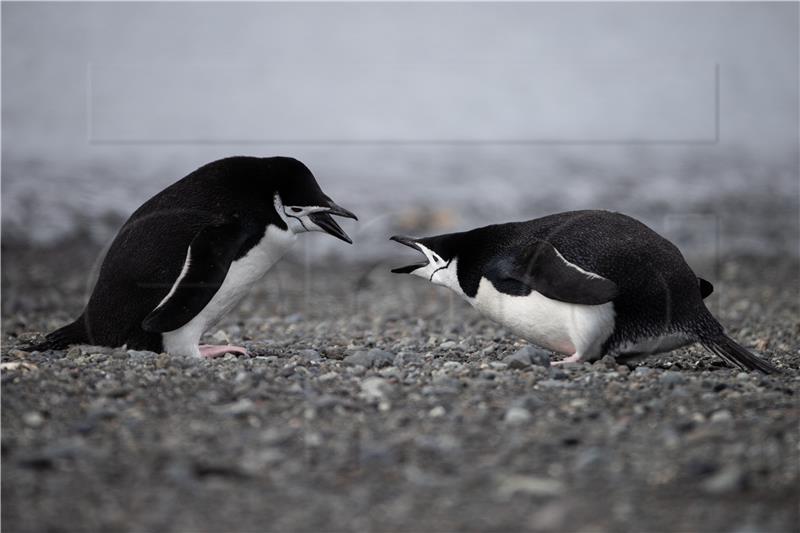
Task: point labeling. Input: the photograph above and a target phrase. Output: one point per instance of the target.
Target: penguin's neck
(448, 277)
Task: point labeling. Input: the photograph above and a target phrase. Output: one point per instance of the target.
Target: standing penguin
(581, 283)
(191, 252)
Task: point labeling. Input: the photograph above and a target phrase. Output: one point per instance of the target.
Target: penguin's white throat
(434, 268)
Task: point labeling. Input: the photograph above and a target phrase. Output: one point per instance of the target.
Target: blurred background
(422, 118)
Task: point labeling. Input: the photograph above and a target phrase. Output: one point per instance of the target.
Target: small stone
(407, 358)
(74, 352)
(310, 355)
(761, 344)
(552, 383)
(437, 412)
(360, 359)
(33, 419)
(608, 361)
(535, 486)
(527, 356)
(221, 337)
(721, 416)
(381, 358)
(726, 480)
(448, 345)
(19, 354)
(374, 388)
(17, 365)
(374, 358)
(642, 371)
(141, 354)
(517, 415)
(672, 378)
(452, 365)
(328, 376)
(241, 407)
(162, 360)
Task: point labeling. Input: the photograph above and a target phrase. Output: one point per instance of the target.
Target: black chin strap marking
(298, 219)
(430, 280)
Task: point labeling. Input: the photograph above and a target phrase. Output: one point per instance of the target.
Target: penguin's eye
(296, 210)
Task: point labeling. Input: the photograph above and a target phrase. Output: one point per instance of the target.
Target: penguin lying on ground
(190, 253)
(581, 283)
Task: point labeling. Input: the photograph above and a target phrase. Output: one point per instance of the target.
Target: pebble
(374, 358)
(527, 356)
(239, 407)
(672, 378)
(141, 354)
(407, 358)
(309, 355)
(721, 416)
(517, 415)
(726, 480)
(437, 412)
(374, 389)
(534, 486)
(33, 419)
(552, 383)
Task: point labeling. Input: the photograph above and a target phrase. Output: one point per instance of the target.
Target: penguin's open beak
(325, 221)
(411, 243)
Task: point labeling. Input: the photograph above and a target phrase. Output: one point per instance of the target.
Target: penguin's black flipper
(541, 268)
(706, 288)
(208, 259)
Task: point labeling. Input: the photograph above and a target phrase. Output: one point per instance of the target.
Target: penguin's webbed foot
(210, 351)
(574, 358)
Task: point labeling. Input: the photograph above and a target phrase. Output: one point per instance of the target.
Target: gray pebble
(407, 358)
(728, 479)
(374, 358)
(141, 354)
(309, 355)
(672, 378)
(527, 356)
(517, 415)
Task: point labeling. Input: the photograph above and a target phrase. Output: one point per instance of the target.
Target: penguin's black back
(148, 253)
(658, 292)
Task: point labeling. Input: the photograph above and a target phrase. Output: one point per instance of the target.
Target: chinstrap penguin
(191, 252)
(582, 283)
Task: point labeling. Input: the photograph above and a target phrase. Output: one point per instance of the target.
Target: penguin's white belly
(242, 274)
(559, 326)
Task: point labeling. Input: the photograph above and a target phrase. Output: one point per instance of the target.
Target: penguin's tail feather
(73, 333)
(737, 355)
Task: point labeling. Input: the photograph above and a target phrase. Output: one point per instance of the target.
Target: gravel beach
(373, 402)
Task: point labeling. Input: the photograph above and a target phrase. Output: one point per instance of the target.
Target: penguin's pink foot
(574, 358)
(209, 351)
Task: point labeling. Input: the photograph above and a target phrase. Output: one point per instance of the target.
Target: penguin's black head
(439, 252)
(300, 202)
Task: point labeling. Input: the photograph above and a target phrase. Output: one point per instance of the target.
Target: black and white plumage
(190, 253)
(581, 283)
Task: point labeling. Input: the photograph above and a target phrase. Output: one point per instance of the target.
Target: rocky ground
(373, 402)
